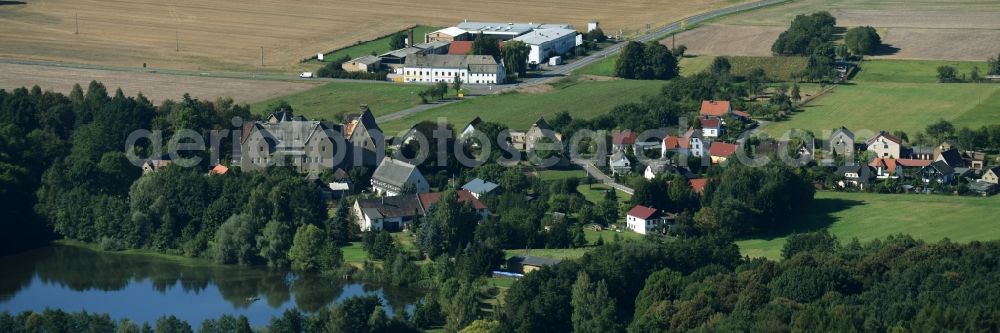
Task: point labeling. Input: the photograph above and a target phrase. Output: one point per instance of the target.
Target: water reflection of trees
(82, 270)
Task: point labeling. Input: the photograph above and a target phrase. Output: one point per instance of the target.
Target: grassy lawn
(377, 46)
(354, 253)
(691, 65)
(868, 216)
(549, 253)
(909, 107)
(581, 98)
(609, 235)
(334, 99)
(911, 71)
(548, 175)
(595, 193)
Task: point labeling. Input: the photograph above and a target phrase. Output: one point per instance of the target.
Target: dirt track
(156, 87)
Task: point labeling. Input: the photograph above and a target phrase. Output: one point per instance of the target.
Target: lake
(144, 288)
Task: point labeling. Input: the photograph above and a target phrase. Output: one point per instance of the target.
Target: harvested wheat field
(156, 87)
(721, 39)
(229, 34)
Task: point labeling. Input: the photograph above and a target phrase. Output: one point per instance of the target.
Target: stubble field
(229, 34)
(926, 30)
(156, 87)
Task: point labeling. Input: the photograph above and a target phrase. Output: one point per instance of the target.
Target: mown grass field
(595, 193)
(897, 95)
(332, 100)
(581, 98)
(868, 216)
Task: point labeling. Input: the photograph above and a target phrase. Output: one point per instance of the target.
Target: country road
(593, 171)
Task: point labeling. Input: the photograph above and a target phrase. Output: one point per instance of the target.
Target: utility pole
(77, 24)
(261, 56)
(177, 39)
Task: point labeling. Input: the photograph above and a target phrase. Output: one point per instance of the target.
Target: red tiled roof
(460, 47)
(624, 138)
(722, 149)
(429, 199)
(906, 162)
(887, 136)
(671, 142)
(219, 170)
(715, 108)
(698, 184)
(710, 123)
(889, 164)
(642, 212)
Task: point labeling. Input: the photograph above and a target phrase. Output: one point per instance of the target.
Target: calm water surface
(143, 289)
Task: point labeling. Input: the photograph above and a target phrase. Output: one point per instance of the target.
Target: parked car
(306, 75)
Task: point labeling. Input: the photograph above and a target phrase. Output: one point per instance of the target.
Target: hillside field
(897, 95)
(581, 97)
(868, 216)
(332, 100)
(229, 34)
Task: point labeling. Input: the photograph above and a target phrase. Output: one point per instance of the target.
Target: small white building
(549, 42)
(642, 219)
(471, 69)
(711, 127)
(619, 164)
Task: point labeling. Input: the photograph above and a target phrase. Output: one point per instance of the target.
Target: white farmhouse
(549, 42)
(642, 219)
(471, 69)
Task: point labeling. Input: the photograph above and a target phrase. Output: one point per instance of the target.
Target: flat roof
(542, 36)
(498, 28)
(451, 31)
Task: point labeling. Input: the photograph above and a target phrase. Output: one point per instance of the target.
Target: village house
(619, 164)
(154, 165)
(538, 131)
(392, 176)
(952, 157)
(643, 220)
(885, 145)
(389, 213)
(937, 172)
(218, 170)
(698, 185)
(690, 142)
(715, 109)
(428, 200)
(974, 159)
(842, 142)
(992, 175)
(623, 141)
(721, 151)
(394, 213)
(470, 128)
(855, 176)
(711, 127)
(945, 146)
(284, 139)
(450, 34)
(527, 264)
(365, 138)
(890, 168)
(656, 168)
(479, 187)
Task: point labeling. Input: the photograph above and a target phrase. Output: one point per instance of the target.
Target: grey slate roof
(953, 158)
(942, 167)
(542, 36)
(864, 172)
(367, 60)
(394, 172)
(407, 205)
(289, 134)
(843, 130)
(474, 63)
(480, 186)
(402, 53)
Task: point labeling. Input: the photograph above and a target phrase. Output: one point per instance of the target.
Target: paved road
(416, 109)
(593, 171)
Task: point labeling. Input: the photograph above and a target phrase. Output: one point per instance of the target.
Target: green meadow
(334, 99)
(867, 216)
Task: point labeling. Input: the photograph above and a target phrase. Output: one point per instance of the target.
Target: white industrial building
(501, 31)
(471, 69)
(549, 42)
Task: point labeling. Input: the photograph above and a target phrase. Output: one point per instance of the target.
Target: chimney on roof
(409, 38)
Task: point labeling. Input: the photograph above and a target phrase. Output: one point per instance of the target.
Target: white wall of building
(431, 75)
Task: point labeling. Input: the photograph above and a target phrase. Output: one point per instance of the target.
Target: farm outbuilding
(367, 63)
(545, 43)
